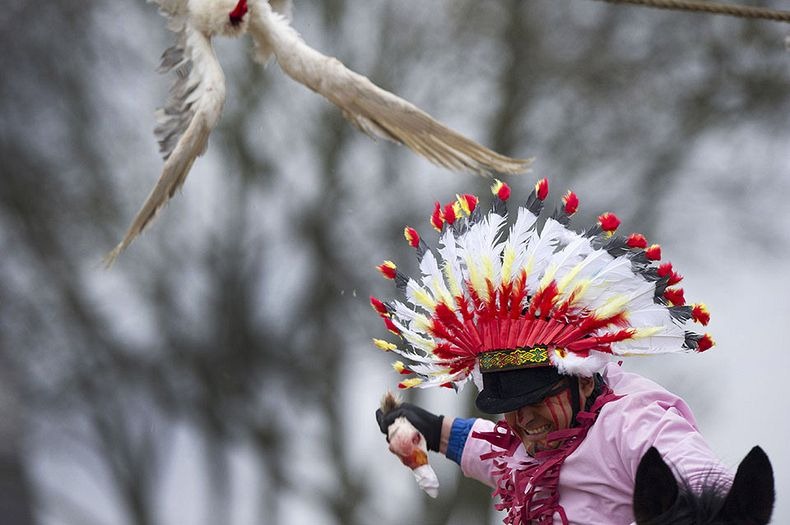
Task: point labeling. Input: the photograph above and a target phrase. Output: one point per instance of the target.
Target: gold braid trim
(511, 359)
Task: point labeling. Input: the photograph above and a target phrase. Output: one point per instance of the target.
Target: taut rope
(741, 11)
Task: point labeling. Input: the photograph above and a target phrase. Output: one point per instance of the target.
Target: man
(534, 319)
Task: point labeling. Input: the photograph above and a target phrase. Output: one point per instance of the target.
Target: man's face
(533, 423)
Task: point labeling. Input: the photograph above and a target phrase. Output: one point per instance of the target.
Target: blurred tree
(240, 318)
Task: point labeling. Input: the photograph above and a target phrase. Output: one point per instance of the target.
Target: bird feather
(199, 102)
(373, 110)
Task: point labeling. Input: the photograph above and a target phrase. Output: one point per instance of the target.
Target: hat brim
(510, 390)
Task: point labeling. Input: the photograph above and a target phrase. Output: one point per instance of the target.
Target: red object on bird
(238, 12)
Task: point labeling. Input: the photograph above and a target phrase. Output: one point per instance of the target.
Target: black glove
(429, 425)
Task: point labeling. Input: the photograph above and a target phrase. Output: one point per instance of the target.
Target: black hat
(507, 390)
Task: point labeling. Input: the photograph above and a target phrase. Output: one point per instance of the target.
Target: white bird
(198, 95)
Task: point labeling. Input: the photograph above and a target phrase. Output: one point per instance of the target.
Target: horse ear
(655, 489)
(751, 497)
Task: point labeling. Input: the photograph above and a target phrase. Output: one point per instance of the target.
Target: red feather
(609, 222)
(675, 296)
(571, 202)
(436, 217)
(637, 240)
(379, 307)
(387, 269)
(411, 236)
(666, 270)
(700, 313)
(653, 252)
(542, 189)
(391, 326)
(449, 213)
(705, 343)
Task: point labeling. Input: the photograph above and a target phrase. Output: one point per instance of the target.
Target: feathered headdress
(493, 297)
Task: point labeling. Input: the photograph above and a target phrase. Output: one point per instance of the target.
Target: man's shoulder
(622, 382)
(638, 392)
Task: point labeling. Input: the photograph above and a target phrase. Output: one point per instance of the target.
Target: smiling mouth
(537, 431)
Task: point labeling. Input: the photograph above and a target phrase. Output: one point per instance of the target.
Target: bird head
(237, 15)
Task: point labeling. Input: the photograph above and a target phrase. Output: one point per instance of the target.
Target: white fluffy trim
(572, 364)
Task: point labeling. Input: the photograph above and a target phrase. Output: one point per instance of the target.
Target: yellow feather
(423, 322)
(441, 292)
(449, 274)
(507, 263)
(611, 307)
(647, 331)
(548, 276)
(386, 346)
(570, 276)
(529, 265)
(418, 341)
(477, 280)
(411, 382)
(424, 299)
(488, 268)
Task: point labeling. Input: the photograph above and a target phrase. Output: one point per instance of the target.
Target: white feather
(433, 279)
(204, 107)
(451, 264)
(562, 261)
(372, 109)
(480, 252)
(650, 315)
(514, 251)
(419, 296)
(416, 321)
(416, 339)
(539, 251)
(580, 275)
(670, 342)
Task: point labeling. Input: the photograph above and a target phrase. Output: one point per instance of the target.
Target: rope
(712, 8)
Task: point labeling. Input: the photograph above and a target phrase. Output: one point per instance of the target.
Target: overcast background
(222, 371)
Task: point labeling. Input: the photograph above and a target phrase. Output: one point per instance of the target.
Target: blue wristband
(458, 434)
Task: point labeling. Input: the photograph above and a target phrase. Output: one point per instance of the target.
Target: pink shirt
(597, 480)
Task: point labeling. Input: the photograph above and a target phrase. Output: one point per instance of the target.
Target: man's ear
(586, 386)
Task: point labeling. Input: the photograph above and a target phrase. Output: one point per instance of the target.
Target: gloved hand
(429, 425)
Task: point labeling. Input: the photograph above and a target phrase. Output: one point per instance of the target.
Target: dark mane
(696, 506)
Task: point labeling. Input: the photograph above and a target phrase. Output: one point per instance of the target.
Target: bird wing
(375, 111)
(263, 51)
(192, 111)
